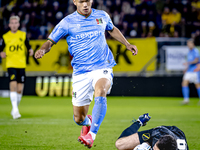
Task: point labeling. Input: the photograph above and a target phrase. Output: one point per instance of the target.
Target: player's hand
(3, 54)
(133, 49)
(30, 52)
(143, 146)
(40, 53)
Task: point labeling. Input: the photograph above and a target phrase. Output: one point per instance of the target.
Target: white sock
(13, 98)
(19, 97)
(93, 135)
(89, 124)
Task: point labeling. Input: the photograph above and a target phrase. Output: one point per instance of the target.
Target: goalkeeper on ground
(159, 138)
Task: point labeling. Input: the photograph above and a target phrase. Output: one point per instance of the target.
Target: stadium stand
(135, 18)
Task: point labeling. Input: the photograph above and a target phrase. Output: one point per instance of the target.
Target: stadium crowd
(135, 18)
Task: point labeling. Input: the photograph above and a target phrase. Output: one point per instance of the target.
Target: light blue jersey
(86, 40)
(194, 53)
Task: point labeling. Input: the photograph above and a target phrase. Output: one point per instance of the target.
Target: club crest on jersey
(145, 136)
(99, 21)
(105, 71)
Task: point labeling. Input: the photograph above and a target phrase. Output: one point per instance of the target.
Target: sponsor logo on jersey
(146, 136)
(87, 35)
(12, 77)
(12, 48)
(99, 21)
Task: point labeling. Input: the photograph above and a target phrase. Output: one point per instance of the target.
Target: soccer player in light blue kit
(191, 76)
(92, 63)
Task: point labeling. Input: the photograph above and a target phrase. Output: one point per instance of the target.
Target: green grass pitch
(47, 123)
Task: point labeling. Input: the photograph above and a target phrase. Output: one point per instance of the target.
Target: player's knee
(101, 92)
(19, 91)
(184, 83)
(13, 88)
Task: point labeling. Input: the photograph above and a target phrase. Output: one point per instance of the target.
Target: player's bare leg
(99, 110)
(81, 118)
(13, 97)
(185, 91)
(80, 113)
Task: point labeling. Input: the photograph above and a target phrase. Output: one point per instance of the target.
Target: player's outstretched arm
(115, 33)
(44, 49)
(129, 142)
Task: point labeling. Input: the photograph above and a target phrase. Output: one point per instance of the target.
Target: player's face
(83, 6)
(14, 25)
(190, 44)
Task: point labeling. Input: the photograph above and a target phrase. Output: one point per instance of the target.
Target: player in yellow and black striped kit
(13, 48)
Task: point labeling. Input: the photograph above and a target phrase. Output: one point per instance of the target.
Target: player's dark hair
(167, 142)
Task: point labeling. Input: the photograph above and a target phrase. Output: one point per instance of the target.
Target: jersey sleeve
(109, 23)
(28, 46)
(145, 136)
(196, 54)
(2, 45)
(59, 31)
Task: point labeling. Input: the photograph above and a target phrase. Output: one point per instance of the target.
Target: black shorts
(17, 74)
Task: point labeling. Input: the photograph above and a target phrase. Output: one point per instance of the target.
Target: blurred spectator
(151, 27)
(101, 5)
(126, 7)
(196, 4)
(176, 34)
(135, 32)
(55, 7)
(45, 5)
(35, 7)
(166, 19)
(176, 18)
(169, 18)
(116, 18)
(159, 5)
(49, 17)
(117, 5)
(59, 16)
(109, 5)
(125, 29)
